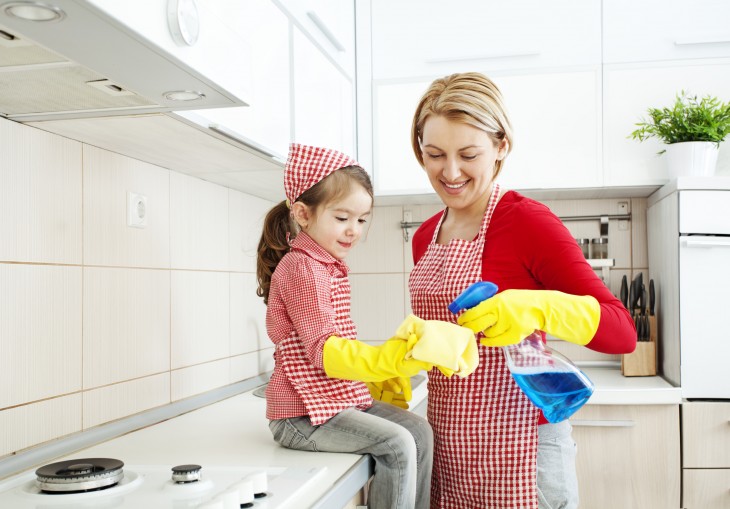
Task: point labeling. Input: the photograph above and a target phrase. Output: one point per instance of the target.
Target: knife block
(643, 360)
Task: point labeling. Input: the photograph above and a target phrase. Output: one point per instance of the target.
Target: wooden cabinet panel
(706, 489)
(628, 456)
(706, 435)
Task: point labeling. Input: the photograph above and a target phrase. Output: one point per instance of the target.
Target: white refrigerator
(688, 229)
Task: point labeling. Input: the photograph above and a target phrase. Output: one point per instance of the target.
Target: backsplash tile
(198, 224)
(40, 196)
(40, 327)
(248, 316)
(108, 177)
(199, 307)
(120, 400)
(126, 324)
(245, 221)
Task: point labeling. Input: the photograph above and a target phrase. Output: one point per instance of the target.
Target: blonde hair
(470, 98)
(280, 228)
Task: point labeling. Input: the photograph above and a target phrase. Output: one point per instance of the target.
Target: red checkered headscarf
(307, 165)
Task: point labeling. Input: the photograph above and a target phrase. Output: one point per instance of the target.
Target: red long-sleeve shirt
(528, 247)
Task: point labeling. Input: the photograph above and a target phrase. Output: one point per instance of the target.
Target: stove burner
(77, 476)
(183, 474)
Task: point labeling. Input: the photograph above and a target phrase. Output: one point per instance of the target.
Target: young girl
(316, 399)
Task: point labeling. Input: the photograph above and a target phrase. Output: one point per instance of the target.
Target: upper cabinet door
(432, 38)
(653, 30)
(324, 105)
(331, 26)
(267, 120)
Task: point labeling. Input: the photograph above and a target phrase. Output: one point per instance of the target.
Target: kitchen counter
(234, 432)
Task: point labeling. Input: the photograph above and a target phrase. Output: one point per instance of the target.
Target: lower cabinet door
(628, 456)
(706, 488)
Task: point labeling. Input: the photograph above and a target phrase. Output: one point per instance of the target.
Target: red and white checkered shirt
(309, 301)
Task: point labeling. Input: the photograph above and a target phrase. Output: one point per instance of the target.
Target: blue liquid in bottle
(558, 394)
(550, 380)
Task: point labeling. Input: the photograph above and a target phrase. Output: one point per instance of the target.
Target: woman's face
(459, 161)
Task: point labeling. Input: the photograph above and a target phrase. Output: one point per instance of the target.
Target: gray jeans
(400, 442)
(557, 482)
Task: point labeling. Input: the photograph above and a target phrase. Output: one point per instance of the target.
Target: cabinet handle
(688, 41)
(602, 424)
(690, 242)
(485, 56)
(325, 31)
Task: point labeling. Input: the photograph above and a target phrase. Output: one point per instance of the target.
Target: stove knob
(245, 493)
(260, 483)
(187, 473)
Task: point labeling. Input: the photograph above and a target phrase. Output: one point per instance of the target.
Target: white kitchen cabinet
(629, 90)
(424, 38)
(654, 30)
(330, 24)
(628, 456)
(706, 455)
(324, 107)
(266, 121)
(556, 119)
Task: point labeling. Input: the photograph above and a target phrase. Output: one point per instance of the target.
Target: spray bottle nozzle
(473, 295)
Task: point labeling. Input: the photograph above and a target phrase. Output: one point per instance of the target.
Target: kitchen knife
(652, 315)
(643, 336)
(624, 293)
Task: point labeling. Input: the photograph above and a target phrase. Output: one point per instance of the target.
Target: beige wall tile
(639, 251)
(381, 249)
(251, 364)
(197, 379)
(245, 219)
(108, 177)
(28, 425)
(200, 306)
(40, 331)
(377, 304)
(126, 324)
(123, 399)
(198, 224)
(248, 316)
(40, 196)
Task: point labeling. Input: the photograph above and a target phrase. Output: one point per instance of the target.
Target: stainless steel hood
(114, 57)
(183, 142)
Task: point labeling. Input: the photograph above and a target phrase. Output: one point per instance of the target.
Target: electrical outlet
(623, 207)
(136, 210)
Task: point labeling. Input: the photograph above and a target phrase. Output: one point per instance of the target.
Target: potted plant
(692, 130)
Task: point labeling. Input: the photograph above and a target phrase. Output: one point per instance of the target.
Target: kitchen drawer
(429, 38)
(704, 212)
(706, 489)
(665, 30)
(706, 435)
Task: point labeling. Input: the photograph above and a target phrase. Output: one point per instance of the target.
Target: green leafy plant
(690, 119)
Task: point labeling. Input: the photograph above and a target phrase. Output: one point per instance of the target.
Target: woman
(486, 430)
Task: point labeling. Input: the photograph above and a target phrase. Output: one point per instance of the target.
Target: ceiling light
(184, 95)
(34, 11)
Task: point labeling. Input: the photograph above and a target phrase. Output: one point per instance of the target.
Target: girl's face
(459, 161)
(337, 226)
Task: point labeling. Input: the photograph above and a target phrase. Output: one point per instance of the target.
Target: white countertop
(234, 432)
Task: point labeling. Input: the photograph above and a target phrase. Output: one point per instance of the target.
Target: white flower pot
(691, 159)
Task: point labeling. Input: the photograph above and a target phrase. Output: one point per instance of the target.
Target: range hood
(108, 57)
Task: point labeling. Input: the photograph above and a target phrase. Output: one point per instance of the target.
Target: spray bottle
(549, 379)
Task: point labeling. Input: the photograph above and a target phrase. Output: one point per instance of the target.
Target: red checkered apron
(485, 427)
(324, 397)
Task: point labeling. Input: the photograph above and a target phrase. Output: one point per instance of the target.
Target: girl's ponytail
(273, 245)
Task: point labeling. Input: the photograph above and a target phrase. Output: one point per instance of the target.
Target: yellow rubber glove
(396, 391)
(449, 347)
(350, 359)
(510, 316)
